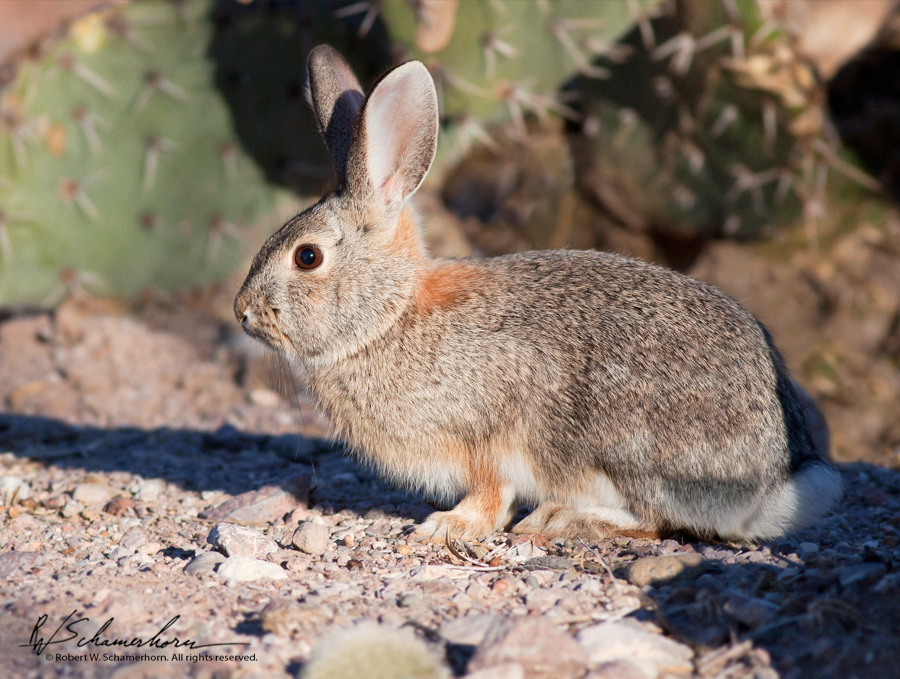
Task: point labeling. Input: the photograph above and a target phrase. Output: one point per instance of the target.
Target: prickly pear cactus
(497, 60)
(119, 166)
(713, 127)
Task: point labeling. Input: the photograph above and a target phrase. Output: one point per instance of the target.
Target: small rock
(469, 630)
(888, 583)
(120, 553)
(629, 640)
(119, 505)
(809, 547)
(234, 540)
(543, 651)
(311, 538)
(523, 552)
(72, 508)
(287, 618)
(750, 611)
(135, 538)
(23, 523)
(547, 563)
(150, 490)
(504, 671)
(204, 563)
(407, 600)
(264, 505)
(13, 484)
(862, 572)
(621, 669)
(656, 570)
(248, 569)
(91, 494)
(16, 563)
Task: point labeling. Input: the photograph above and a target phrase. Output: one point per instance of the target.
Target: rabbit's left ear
(396, 136)
(335, 95)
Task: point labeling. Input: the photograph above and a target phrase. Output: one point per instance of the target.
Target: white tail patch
(808, 495)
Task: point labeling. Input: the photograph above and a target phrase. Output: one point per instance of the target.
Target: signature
(38, 643)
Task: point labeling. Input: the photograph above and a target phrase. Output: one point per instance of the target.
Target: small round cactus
(376, 652)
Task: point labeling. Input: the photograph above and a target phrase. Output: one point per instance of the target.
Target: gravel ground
(149, 470)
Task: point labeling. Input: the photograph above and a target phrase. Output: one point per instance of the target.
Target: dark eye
(308, 257)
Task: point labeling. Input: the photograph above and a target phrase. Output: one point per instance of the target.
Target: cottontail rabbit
(616, 396)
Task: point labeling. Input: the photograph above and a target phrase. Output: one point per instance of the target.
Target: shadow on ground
(825, 603)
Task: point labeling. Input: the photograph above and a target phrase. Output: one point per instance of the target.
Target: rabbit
(614, 396)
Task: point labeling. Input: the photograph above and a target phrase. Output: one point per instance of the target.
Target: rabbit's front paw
(482, 512)
(441, 526)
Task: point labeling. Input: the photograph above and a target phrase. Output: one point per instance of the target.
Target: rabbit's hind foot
(557, 520)
(479, 514)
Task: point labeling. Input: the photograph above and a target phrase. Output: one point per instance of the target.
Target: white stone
(91, 494)
(8, 484)
(523, 552)
(504, 671)
(311, 538)
(629, 640)
(234, 540)
(248, 569)
(150, 490)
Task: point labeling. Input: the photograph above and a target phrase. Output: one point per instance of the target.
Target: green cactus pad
(119, 169)
(712, 129)
(508, 58)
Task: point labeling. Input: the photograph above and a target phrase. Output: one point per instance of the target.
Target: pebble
(23, 523)
(287, 618)
(16, 563)
(408, 599)
(751, 611)
(248, 569)
(150, 490)
(809, 547)
(119, 505)
(9, 484)
(861, 573)
(657, 570)
(469, 630)
(311, 538)
(205, 562)
(629, 640)
(134, 538)
(504, 671)
(549, 563)
(536, 644)
(91, 494)
(622, 669)
(234, 540)
(523, 552)
(264, 505)
(72, 508)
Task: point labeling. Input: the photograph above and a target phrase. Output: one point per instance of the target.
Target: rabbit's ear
(335, 95)
(396, 136)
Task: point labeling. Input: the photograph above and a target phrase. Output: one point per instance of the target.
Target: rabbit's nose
(242, 311)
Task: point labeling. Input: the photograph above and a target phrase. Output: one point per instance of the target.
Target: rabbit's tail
(810, 492)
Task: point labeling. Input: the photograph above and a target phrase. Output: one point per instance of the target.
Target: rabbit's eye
(308, 257)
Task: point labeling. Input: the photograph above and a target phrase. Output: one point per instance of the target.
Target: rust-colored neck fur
(440, 283)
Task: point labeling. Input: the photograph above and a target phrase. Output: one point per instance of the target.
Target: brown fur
(444, 284)
(615, 396)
